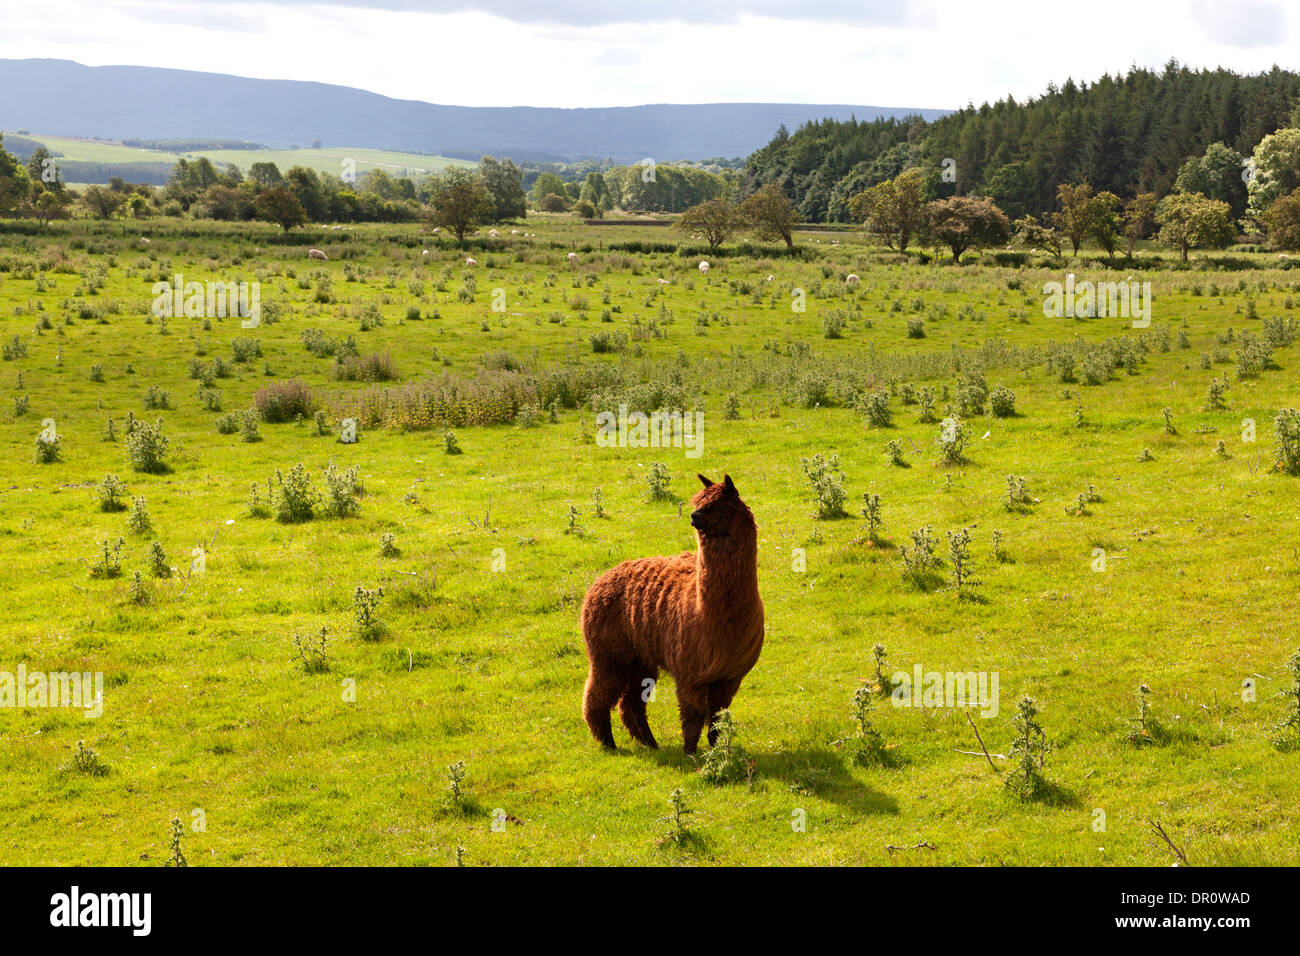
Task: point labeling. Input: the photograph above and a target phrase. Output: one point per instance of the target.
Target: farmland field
(1177, 570)
(323, 160)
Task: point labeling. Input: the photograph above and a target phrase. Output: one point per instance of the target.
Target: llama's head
(719, 512)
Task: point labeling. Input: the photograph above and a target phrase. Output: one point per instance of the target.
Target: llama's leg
(632, 706)
(693, 701)
(720, 695)
(602, 691)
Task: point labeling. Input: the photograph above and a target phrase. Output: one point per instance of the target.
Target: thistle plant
(724, 761)
(177, 854)
(1168, 414)
(1017, 497)
(109, 564)
(871, 511)
(137, 593)
(159, 566)
(598, 507)
(1029, 750)
(137, 521)
(86, 761)
(894, 449)
(456, 774)
(1139, 734)
(388, 546)
(959, 559)
(111, 492)
(311, 652)
(657, 480)
(364, 603)
(883, 684)
(919, 561)
(866, 746)
(827, 485)
(450, 445)
(679, 828)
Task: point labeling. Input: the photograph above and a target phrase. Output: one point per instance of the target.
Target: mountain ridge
(120, 102)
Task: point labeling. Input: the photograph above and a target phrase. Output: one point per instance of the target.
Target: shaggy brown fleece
(696, 615)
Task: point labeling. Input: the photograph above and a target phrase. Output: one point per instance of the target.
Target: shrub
(248, 426)
(284, 401)
(146, 447)
(155, 397)
(725, 760)
(953, 435)
(657, 481)
(48, 449)
(919, 561)
(827, 482)
(875, 405)
(342, 490)
(109, 560)
(159, 566)
(228, 424)
(364, 603)
(111, 492)
(374, 367)
(138, 521)
(294, 499)
(1286, 433)
(1029, 749)
(245, 349)
(1002, 402)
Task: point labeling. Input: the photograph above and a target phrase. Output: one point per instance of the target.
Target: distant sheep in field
(851, 281)
(494, 234)
(514, 232)
(770, 278)
(704, 267)
(425, 252)
(471, 262)
(573, 257)
(665, 281)
(144, 241)
(317, 254)
(437, 229)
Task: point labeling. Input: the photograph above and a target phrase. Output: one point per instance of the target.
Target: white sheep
(514, 232)
(144, 241)
(425, 252)
(437, 229)
(317, 254)
(851, 280)
(770, 278)
(665, 281)
(494, 234)
(704, 266)
(573, 257)
(470, 262)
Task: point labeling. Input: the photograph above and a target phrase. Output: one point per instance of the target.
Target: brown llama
(696, 615)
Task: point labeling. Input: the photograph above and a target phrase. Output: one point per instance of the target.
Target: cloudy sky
(919, 53)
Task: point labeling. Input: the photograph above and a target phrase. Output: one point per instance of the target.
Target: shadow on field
(804, 769)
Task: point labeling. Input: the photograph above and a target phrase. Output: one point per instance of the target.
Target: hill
(135, 102)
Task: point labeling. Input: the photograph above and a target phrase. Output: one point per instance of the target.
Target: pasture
(473, 652)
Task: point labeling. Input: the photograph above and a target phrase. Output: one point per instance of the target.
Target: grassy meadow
(211, 715)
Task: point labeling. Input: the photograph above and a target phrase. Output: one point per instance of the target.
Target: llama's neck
(726, 571)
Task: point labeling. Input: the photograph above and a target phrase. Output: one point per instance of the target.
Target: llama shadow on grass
(802, 770)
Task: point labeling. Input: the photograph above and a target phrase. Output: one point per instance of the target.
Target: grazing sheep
(770, 278)
(704, 267)
(697, 615)
(494, 234)
(471, 262)
(425, 252)
(573, 257)
(437, 229)
(851, 281)
(514, 232)
(317, 254)
(144, 241)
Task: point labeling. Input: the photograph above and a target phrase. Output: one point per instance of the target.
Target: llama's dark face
(719, 512)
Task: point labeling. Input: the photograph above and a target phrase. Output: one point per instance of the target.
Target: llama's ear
(728, 487)
(704, 481)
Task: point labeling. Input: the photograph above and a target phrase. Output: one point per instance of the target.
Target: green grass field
(208, 715)
(324, 160)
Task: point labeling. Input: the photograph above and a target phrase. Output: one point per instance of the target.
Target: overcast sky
(627, 52)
